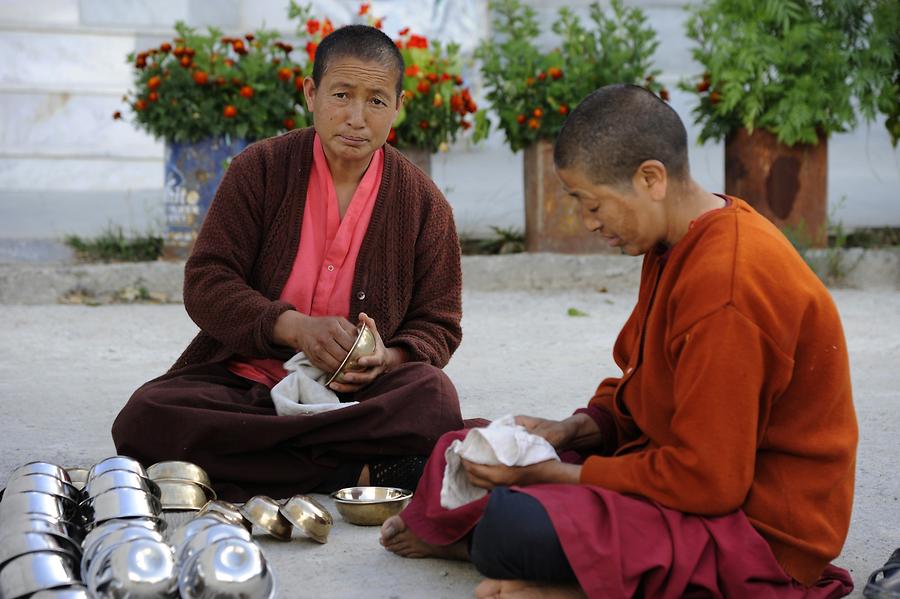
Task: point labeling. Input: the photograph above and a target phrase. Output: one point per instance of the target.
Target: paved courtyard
(66, 370)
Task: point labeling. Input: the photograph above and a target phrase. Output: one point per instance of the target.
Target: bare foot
(397, 538)
(490, 588)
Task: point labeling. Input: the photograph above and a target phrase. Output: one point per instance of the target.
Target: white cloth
(501, 442)
(303, 390)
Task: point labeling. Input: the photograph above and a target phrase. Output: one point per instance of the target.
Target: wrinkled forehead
(372, 75)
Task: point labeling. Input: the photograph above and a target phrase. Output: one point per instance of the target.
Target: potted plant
(779, 78)
(437, 107)
(532, 92)
(207, 96)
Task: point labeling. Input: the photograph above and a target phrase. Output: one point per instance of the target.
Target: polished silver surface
(43, 483)
(119, 462)
(33, 572)
(183, 533)
(41, 468)
(178, 470)
(94, 552)
(207, 536)
(78, 475)
(264, 513)
(229, 511)
(14, 544)
(67, 531)
(370, 506)
(308, 516)
(109, 526)
(112, 479)
(16, 506)
(75, 591)
(181, 495)
(120, 503)
(227, 568)
(139, 569)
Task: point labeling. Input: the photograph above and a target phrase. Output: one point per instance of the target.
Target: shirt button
(330, 267)
(361, 295)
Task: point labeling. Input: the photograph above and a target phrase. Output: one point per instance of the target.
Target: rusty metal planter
(786, 184)
(552, 219)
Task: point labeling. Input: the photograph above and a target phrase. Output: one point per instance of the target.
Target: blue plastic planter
(193, 172)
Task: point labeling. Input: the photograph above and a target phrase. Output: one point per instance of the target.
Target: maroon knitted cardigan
(408, 276)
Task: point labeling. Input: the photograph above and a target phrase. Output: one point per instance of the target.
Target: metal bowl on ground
(309, 517)
(227, 568)
(41, 468)
(75, 591)
(143, 568)
(364, 345)
(229, 511)
(33, 572)
(120, 503)
(117, 462)
(264, 513)
(67, 532)
(14, 544)
(17, 506)
(187, 530)
(181, 495)
(112, 479)
(107, 526)
(179, 470)
(101, 544)
(43, 483)
(78, 476)
(370, 506)
(207, 536)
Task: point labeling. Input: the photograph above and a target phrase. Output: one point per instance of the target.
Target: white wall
(67, 167)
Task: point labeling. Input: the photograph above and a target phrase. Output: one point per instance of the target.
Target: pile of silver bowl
(183, 486)
(119, 488)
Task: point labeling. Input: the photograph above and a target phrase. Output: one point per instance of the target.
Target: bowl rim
(404, 494)
(347, 357)
(269, 502)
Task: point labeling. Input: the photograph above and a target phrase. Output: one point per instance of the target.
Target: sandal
(888, 586)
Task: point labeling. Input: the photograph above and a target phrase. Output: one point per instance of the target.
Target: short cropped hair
(361, 42)
(615, 129)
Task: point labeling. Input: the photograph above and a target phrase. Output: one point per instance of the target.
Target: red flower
(140, 104)
(520, 118)
(287, 48)
(457, 104)
(117, 115)
(229, 63)
(141, 61)
(327, 28)
(153, 96)
(378, 24)
(312, 26)
(471, 106)
(715, 97)
(445, 77)
(289, 123)
(563, 109)
(457, 80)
(230, 111)
(165, 47)
(555, 72)
(412, 70)
(285, 74)
(311, 50)
(423, 124)
(423, 87)
(178, 51)
(417, 41)
(529, 81)
(298, 83)
(703, 86)
(186, 61)
(534, 124)
(363, 8)
(403, 31)
(246, 91)
(537, 112)
(542, 75)
(220, 80)
(392, 136)
(432, 77)
(250, 37)
(664, 94)
(154, 82)
(465, 124)
(239, 47)
(200, 77)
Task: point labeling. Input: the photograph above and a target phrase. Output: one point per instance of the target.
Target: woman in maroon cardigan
(402, 271)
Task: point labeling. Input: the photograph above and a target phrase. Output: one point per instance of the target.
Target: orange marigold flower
(165, 47)
(363, 8)
(529, 81)
(445, 77)
(186, 61)
(298, 83)
(289, 123)
(457, 104)
(287, 48)
(417, 41)
(246, 91)
(423, 87)
(392, 136)
(153, 96)
(542, 75)
(239, 46)
(140, 104)
(230, 111)
(285, 74)
(537, 112)
(471, 106)
(229, 63)
(423, 124)
(703, 86)
(117, 115)
(154, 82)
(555, 72)
(378, 24)
(432, 77)
(664, 94)
(715, 97)
(201, 77)
(465, 124)
(438, 101)
(534, 124)
(457, 80)
(412, 70)
(140, 62)
(403, 31)
(520, 118)
(327, 28)
(311, 50)
(250, 37)
(312, 26)
(563, 109)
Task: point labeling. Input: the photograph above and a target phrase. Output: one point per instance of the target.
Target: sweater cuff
(609, 436)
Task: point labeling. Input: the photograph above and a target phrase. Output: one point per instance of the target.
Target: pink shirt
(322, 276)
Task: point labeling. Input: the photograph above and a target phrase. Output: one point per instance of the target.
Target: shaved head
(362, 43)
(616, 129)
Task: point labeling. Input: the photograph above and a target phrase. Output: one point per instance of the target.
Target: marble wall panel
(46, 12)
(133, 13)
(74, 174)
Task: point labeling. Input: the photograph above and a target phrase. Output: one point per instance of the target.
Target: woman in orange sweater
(721, 462)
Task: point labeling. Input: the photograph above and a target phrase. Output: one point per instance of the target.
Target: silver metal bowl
(17, 506)
(14, 544)
(78, 475)
(370, 506)
(120, 503)
(112, 479)
(183, 533)
(94, 552)
(66, 532)
(35, 572)
(228, 510)
(43, 483)
(227, 568)
(308, 516)
(181, 495)
(178, 470)
(118, 462)
(108, 526)
(40, 468)
(75, 591)
(264, 513)
(142, 568)
(207, 536)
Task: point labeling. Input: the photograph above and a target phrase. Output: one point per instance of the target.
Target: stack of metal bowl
(217, 557)
(119, 488)
(39, 535)
(183, 486)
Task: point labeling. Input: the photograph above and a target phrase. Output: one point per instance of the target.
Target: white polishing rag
(501, 442)
(303, 390)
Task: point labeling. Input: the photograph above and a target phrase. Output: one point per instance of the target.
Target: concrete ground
(66, 370)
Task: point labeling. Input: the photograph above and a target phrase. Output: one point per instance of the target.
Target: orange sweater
(735, 391)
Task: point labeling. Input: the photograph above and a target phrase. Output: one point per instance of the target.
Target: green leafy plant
(113, 246)
(203, 85)
(533, 91)
(797, 68)
(437, 107)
